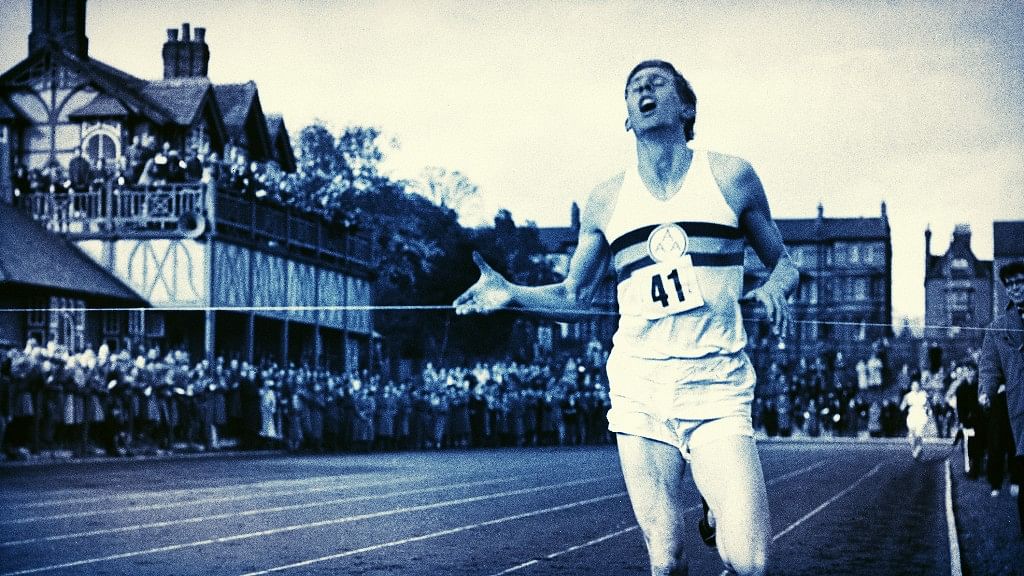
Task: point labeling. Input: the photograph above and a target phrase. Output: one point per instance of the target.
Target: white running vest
(679, 264)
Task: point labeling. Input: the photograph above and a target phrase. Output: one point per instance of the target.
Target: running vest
(679, 264)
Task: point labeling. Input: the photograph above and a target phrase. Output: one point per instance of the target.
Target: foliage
(422, 254)
(448, 188)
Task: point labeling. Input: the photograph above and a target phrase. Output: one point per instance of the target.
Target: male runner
(673, 225)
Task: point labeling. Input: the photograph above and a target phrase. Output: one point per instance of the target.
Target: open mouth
(647, 105)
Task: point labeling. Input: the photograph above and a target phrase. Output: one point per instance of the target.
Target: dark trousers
(1020, 495)
(1001, 447)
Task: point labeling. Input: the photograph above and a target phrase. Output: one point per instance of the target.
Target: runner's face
(1015, 288)
(652, 101)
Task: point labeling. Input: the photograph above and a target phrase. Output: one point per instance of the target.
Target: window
(869, 254)
(854, 254)
(67, 322)
(860, 289)
(100, 146)
(839, 255)
(958, 300)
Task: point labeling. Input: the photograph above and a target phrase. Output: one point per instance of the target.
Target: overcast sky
(846, 103)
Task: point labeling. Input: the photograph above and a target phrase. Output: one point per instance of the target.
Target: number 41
(658, 292)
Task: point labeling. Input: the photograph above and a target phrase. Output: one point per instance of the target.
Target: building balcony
(196, 210)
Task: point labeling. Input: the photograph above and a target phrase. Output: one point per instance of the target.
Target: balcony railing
(105, 211)
(157, 211)
(286, 228)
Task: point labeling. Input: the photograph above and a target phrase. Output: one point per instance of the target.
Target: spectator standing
(875, 429)
(1002, 372)
(79, 172)
(387, 413)
(963, 396)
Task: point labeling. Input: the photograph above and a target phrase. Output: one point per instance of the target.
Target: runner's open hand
(775, 306)
(489, 293)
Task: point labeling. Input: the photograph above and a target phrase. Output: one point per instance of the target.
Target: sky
(918, 104)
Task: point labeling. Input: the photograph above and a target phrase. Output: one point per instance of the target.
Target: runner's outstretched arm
(565, 301)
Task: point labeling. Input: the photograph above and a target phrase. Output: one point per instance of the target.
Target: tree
(448, 188)
(330, 167)
(422, 254)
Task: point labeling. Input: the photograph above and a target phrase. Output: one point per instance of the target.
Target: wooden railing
(157, 211)
(289, 229)
(105, 210)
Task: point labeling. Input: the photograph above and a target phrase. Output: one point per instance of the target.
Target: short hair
(683, 89)
(1011, 269)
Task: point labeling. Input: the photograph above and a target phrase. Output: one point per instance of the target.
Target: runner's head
(650, 87)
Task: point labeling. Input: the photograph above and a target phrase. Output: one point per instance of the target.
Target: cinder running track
(837, 508)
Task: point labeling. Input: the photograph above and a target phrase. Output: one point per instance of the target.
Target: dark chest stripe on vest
(696, 229)
(699, 259)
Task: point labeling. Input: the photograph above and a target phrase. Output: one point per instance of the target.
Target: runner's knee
(749, 562)
(665, 551)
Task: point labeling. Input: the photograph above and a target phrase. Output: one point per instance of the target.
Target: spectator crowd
(95, 402)
(143, 163)
(813, 399)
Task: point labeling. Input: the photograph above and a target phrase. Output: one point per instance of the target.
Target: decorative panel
(164, 272)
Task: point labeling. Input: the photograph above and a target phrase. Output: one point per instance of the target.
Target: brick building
(958, 295)
(844, 300)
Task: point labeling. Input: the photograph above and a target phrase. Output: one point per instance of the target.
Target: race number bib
(668, 288)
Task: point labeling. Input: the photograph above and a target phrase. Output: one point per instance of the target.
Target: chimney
(187, 57)
(821, 211)
(170, 53)
(60, 22)
(575, 216)
(184, 49)
(200, 54)
(928, 241)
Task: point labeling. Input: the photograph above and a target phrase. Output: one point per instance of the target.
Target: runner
(673, 226)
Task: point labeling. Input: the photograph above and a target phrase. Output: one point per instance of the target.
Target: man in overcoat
(1002, 363)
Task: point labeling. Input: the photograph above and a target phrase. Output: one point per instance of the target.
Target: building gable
(244, 119)
(281, 143)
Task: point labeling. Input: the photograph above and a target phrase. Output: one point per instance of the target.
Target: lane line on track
(954, 538)
(254, 512)
(600, 539)
(554, 555)
(821, 507)
(215, 500)
(184, 492)
(828, 502)
(295, 527)
(437, 534)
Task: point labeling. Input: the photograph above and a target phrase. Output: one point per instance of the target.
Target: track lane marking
(254, 512)
(169, 494)
(828, 502)
(216, 500)
(600, 539)
(954, 539)
(820, 507)
(436, 534)
(295, 527)
(554, 555)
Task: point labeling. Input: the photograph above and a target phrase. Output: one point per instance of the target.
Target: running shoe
(704, 527)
